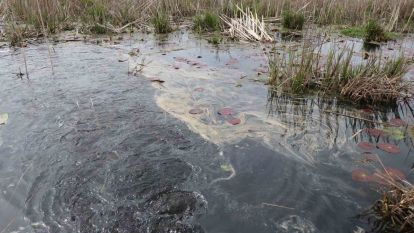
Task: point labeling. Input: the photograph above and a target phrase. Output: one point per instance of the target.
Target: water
(91, 148)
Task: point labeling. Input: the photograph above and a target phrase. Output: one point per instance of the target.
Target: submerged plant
(161, 23)
(292, 20)
(206, 22)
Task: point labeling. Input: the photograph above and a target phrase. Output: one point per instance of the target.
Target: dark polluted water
(193, 142)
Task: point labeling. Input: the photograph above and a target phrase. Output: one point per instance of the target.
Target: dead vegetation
(248, 26)
(394, 211)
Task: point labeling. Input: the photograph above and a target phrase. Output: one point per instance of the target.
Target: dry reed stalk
(247, 27)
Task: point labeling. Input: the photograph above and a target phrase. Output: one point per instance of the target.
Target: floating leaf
(234, 121)
(360, 175)
(366, 145)
(395, 173)
(199, 89)
(367, 110)
(396, 133)
(390, 148)
(397, 122)
(232, 61)
(369, 157)
(381, 178)
(226, 167)
(226, 111)
(196, 111)
(374, 132)
(4, 118)
(411, 132)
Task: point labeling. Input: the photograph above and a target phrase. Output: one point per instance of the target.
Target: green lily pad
(3, 118)
(395, 133)
(226, 167)
(411, 131)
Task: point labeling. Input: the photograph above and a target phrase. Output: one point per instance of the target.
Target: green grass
(371, 32)
(161, 23)
(206, 22)
(294, 21)
(356, 32)
(215, 39)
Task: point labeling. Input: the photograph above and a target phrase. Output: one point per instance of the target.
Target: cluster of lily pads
(393, 130)
(227, 113)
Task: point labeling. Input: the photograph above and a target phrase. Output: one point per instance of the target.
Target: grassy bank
(99, 16)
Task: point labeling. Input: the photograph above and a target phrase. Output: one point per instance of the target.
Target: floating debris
(195, 111)
(157, 81)
(4, 118)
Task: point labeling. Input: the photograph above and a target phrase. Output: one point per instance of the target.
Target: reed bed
(57, 15)
(374, 80)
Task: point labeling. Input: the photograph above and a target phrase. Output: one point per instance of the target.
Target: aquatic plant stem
(45, 35)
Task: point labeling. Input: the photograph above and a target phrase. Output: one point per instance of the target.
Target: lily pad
(381, 177)
(397, 122)
(367, 110)
(374, 132)
(4, 118)
(390, 148)
(234, 121)
(395, 173)
(226, 112)
(411, 132)
(195, 111)
(366, 145)
(226, 167)
(199, 89)
(369, 157)
(395, 133)
(360, 175)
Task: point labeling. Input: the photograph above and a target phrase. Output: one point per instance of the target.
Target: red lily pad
(367, 110)
(395, 173)
(234, 121)
(199, 89)
(381, 178)
(374, 132)
(390, 148)
(360, 175)
(232, 61)
(366, 145)
(370, 157)
(226, 112)
(397, 122)
(195, 111)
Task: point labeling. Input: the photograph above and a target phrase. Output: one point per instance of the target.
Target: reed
(63, 14)
(371, 81)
